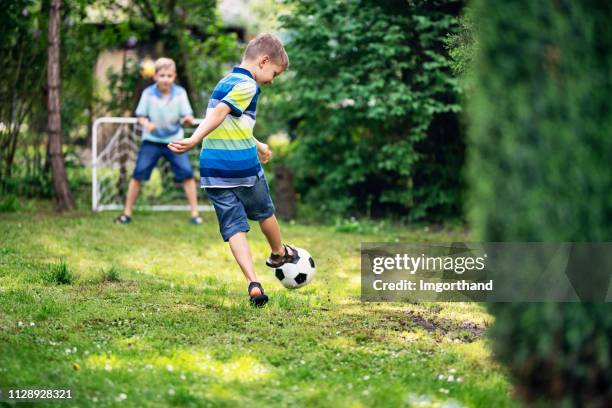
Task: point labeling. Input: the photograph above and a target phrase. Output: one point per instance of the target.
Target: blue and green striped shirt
(229, 153)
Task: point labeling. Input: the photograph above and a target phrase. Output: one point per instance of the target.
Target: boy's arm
(187, 120)
(186, 111)
(210, 123)
(146, 123)
(142, 111)
(263, 151)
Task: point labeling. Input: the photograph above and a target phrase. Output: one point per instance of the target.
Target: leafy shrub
(59, 274)
(539, 171)
(372, 102)
(9, 203)
(111, 274)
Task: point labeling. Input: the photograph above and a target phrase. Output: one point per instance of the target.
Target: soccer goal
(115, 143)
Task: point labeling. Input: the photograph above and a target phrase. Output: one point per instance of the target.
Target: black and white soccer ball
(298, 274)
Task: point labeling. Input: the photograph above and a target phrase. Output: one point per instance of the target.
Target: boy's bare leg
(242, 253)
(189, 186)
(271, 230)
(132, 195)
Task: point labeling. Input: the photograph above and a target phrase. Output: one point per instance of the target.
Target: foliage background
(372, 105)
(539, 171)
(188, 31)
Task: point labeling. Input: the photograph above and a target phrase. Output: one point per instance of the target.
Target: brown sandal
(258, 300)
(290, 256)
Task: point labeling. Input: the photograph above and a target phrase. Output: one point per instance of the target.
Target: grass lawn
(156, 314)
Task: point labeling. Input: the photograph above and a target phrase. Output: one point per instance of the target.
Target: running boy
(162, 109)
(230, 166)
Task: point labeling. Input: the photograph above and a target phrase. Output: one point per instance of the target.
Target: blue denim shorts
(149, 154)
(237, 204)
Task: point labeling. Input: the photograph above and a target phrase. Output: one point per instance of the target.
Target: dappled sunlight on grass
(342, 342)
(241, 368)
(174, 325)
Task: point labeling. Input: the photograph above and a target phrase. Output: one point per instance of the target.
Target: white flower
(170, 391)
(121, 397)
(443, 390)
(451, 378)
(170, 368)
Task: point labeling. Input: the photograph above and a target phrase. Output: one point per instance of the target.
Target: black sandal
(290, 256)
(122, 219)
(258, 300)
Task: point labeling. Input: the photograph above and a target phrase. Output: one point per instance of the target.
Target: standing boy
(162, 109)
(230, 166)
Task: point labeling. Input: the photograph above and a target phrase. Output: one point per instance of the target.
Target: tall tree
(58, 170)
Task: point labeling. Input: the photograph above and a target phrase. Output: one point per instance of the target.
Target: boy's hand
(151, 127)
(181, 146)
(187, 120)
(264, 152)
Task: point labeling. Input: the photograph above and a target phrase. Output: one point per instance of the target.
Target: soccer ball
(298, 274)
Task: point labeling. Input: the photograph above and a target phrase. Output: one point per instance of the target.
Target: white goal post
(115, 144)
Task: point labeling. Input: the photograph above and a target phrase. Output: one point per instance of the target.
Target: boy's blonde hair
(164, 63)
(269, 44)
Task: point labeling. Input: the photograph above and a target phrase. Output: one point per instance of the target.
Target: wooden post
(284, 193)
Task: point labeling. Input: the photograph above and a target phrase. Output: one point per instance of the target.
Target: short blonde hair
(269, 44)
(164, 63)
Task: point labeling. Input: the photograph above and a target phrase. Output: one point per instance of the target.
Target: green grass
(156, 314)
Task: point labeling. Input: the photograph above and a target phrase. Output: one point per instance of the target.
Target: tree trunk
(284, 192)
(58, 170)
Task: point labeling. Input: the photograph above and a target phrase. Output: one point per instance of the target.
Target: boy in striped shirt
(230, 159)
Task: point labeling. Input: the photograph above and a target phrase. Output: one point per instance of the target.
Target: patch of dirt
(465, 331)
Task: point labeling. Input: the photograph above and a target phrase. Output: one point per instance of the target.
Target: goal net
(115, 144)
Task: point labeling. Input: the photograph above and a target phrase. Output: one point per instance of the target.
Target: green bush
(372, 101)
(539, 170)
(111, 274)
(59, 274)
(9, 203)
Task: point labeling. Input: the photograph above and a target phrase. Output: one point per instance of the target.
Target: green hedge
(373, 105)
(539, 170)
